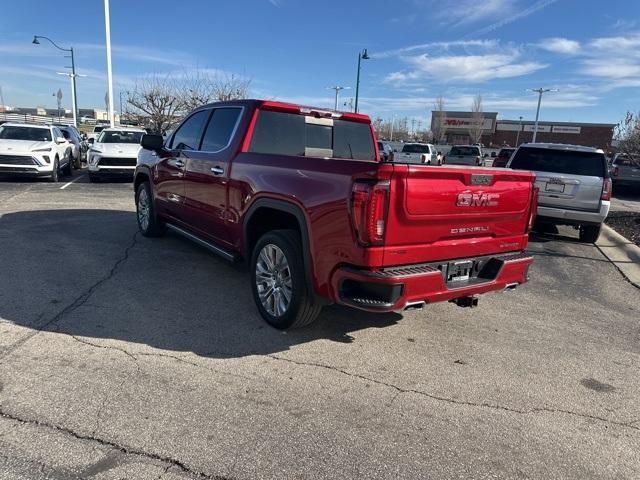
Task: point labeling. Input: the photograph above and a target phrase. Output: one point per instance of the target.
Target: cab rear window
(279, 133)
(413, 148)
(465, 151)
(590, 164)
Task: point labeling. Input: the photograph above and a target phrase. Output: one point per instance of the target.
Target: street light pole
(107, 22)
(73, 75)
(518, 134)
(539, 91)
(363, 55)
(337, 88)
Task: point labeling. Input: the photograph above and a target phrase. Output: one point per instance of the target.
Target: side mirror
(91, 140)
(152, 142)
(395, 151)
(485, 155)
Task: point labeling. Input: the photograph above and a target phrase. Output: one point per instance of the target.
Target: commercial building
(456, 128)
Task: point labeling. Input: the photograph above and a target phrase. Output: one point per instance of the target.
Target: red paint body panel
(424, 221)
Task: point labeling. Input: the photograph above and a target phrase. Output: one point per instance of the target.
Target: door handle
(179, 163)
(217, 170)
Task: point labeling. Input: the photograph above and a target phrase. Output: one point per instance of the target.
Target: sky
(295, 50)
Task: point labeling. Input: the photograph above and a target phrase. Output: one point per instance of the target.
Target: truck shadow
(87, 273)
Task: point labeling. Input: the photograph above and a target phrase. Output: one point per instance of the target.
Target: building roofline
(560, 124)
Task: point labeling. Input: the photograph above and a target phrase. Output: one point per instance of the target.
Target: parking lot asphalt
(128, 357)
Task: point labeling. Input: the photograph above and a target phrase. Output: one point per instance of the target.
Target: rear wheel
(589, 233)
(278, 281)
(149, 225)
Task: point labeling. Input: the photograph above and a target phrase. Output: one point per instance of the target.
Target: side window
(279, 133)
(219, 130)
(57, 134)
(188, 135)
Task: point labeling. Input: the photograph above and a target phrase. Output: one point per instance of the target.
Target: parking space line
(72, 181)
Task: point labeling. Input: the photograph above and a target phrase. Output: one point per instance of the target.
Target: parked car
(250, 180)
(114, 153)
(574, 185)
(34, 150)
(417, 153)
(503, 157)
(78, 145)
(386, 152)
(96, 131)
(625, 170)
(463, 155)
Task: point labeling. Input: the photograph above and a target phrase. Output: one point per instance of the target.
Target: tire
(55, 173)
(77, 162)
(289, 276)
(68, 170)
(148, 224)
(589, 233)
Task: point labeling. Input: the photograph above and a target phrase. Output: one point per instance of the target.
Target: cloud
(510, 17)
(477, 61)
(560, 45)
(472, 11)
(614, 57)
(443, 46)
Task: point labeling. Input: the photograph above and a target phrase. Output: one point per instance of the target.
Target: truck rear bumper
(396, 288)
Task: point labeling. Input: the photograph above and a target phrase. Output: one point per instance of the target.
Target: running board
(226, 254)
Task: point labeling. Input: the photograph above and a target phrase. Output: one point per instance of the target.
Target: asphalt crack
(121, 448)
(76, 303)
(487, 405)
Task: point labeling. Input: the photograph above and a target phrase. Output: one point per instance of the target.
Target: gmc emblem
(478, 199)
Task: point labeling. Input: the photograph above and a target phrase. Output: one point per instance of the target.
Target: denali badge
(478, 199)
(481, 179)
(470, 230)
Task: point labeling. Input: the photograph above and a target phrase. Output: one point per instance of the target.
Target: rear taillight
(369, 206)
(478, 160)
(533, 209)
(423, 158)
(606, 189)
(615, 171)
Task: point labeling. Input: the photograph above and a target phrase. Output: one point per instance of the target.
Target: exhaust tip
(510, 287)
(414, 306)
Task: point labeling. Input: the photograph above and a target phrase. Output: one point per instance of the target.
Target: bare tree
(159, 102)
(627, 132)
(155, 102)
(438, 128)
(477, 119)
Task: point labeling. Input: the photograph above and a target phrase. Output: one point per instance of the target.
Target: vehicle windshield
(465, 151)
(32, 134)
(590, 164)
(415, 148)
(506, 152)
(118, 136)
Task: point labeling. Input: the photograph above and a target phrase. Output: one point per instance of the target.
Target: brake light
(369, 206)
(533, 209)
(478, 160)
(615, 171)
(606, 189)
(423, 158)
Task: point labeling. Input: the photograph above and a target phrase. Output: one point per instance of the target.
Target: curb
(623, 253)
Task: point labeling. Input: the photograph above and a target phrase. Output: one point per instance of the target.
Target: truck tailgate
(455, 212)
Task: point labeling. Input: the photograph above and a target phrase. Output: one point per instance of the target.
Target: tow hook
(466, 301)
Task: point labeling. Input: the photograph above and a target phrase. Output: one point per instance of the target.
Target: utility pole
(337, 88)
(518, 134)
(4, 107)
(107, 23)
(539, 91)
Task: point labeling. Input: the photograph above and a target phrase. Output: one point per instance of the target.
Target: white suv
(34, 150)
(115, 152)
(574, 184)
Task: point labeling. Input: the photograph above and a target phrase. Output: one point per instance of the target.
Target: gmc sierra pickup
(300, 195)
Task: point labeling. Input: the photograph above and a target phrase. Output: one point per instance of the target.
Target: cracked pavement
(127, 357)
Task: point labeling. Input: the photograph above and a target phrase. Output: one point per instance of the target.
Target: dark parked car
(625, 170)
(503, 157)
(79, 149)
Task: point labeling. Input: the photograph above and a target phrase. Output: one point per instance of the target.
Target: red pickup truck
(301, 195)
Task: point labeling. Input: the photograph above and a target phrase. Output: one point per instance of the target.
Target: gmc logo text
(477, 199)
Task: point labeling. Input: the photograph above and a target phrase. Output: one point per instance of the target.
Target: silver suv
(574, 184)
